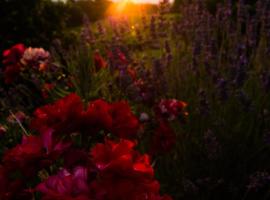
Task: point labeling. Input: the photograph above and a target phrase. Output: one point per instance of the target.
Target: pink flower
(66, 185)
(35, 57)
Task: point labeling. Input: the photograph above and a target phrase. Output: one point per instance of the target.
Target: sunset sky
(135, 1)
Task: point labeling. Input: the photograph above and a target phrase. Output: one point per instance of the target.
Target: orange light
(126, 8)
(120, 7)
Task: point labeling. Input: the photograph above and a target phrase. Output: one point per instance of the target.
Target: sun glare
(120, 6)
(126, 7)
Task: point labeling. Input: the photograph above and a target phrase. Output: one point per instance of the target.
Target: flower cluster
(117, 172)
(23, 162)
(112, 170)
(36, 57)
(19, 57)
(67, 116)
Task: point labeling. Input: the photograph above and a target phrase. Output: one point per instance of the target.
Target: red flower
(100, 63)
(64, 116)
(121, 157)
(11, 60)
(170, 109)
(13, 55)
(122, 57)
(25, 155)
(33, 153)
(67, 116)
(97, 116)
(125, 124)
(132, 72)
(164, 139)
(66, 185)
(116, 118)
(123, 173)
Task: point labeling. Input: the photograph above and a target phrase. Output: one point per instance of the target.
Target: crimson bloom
(13, 55)
(64, 116)
(25, 155)
(97, 116)
(11, 61)
(116, 118)
(33, 153)
(122, 57)
(123, 172)
(120, 156)
(100, 63)
(67, 115)
(125, 124)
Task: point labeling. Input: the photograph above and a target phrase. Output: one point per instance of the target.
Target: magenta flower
(66, 185)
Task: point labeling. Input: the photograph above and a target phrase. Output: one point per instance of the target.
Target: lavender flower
(153, 27)
(86, 33)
